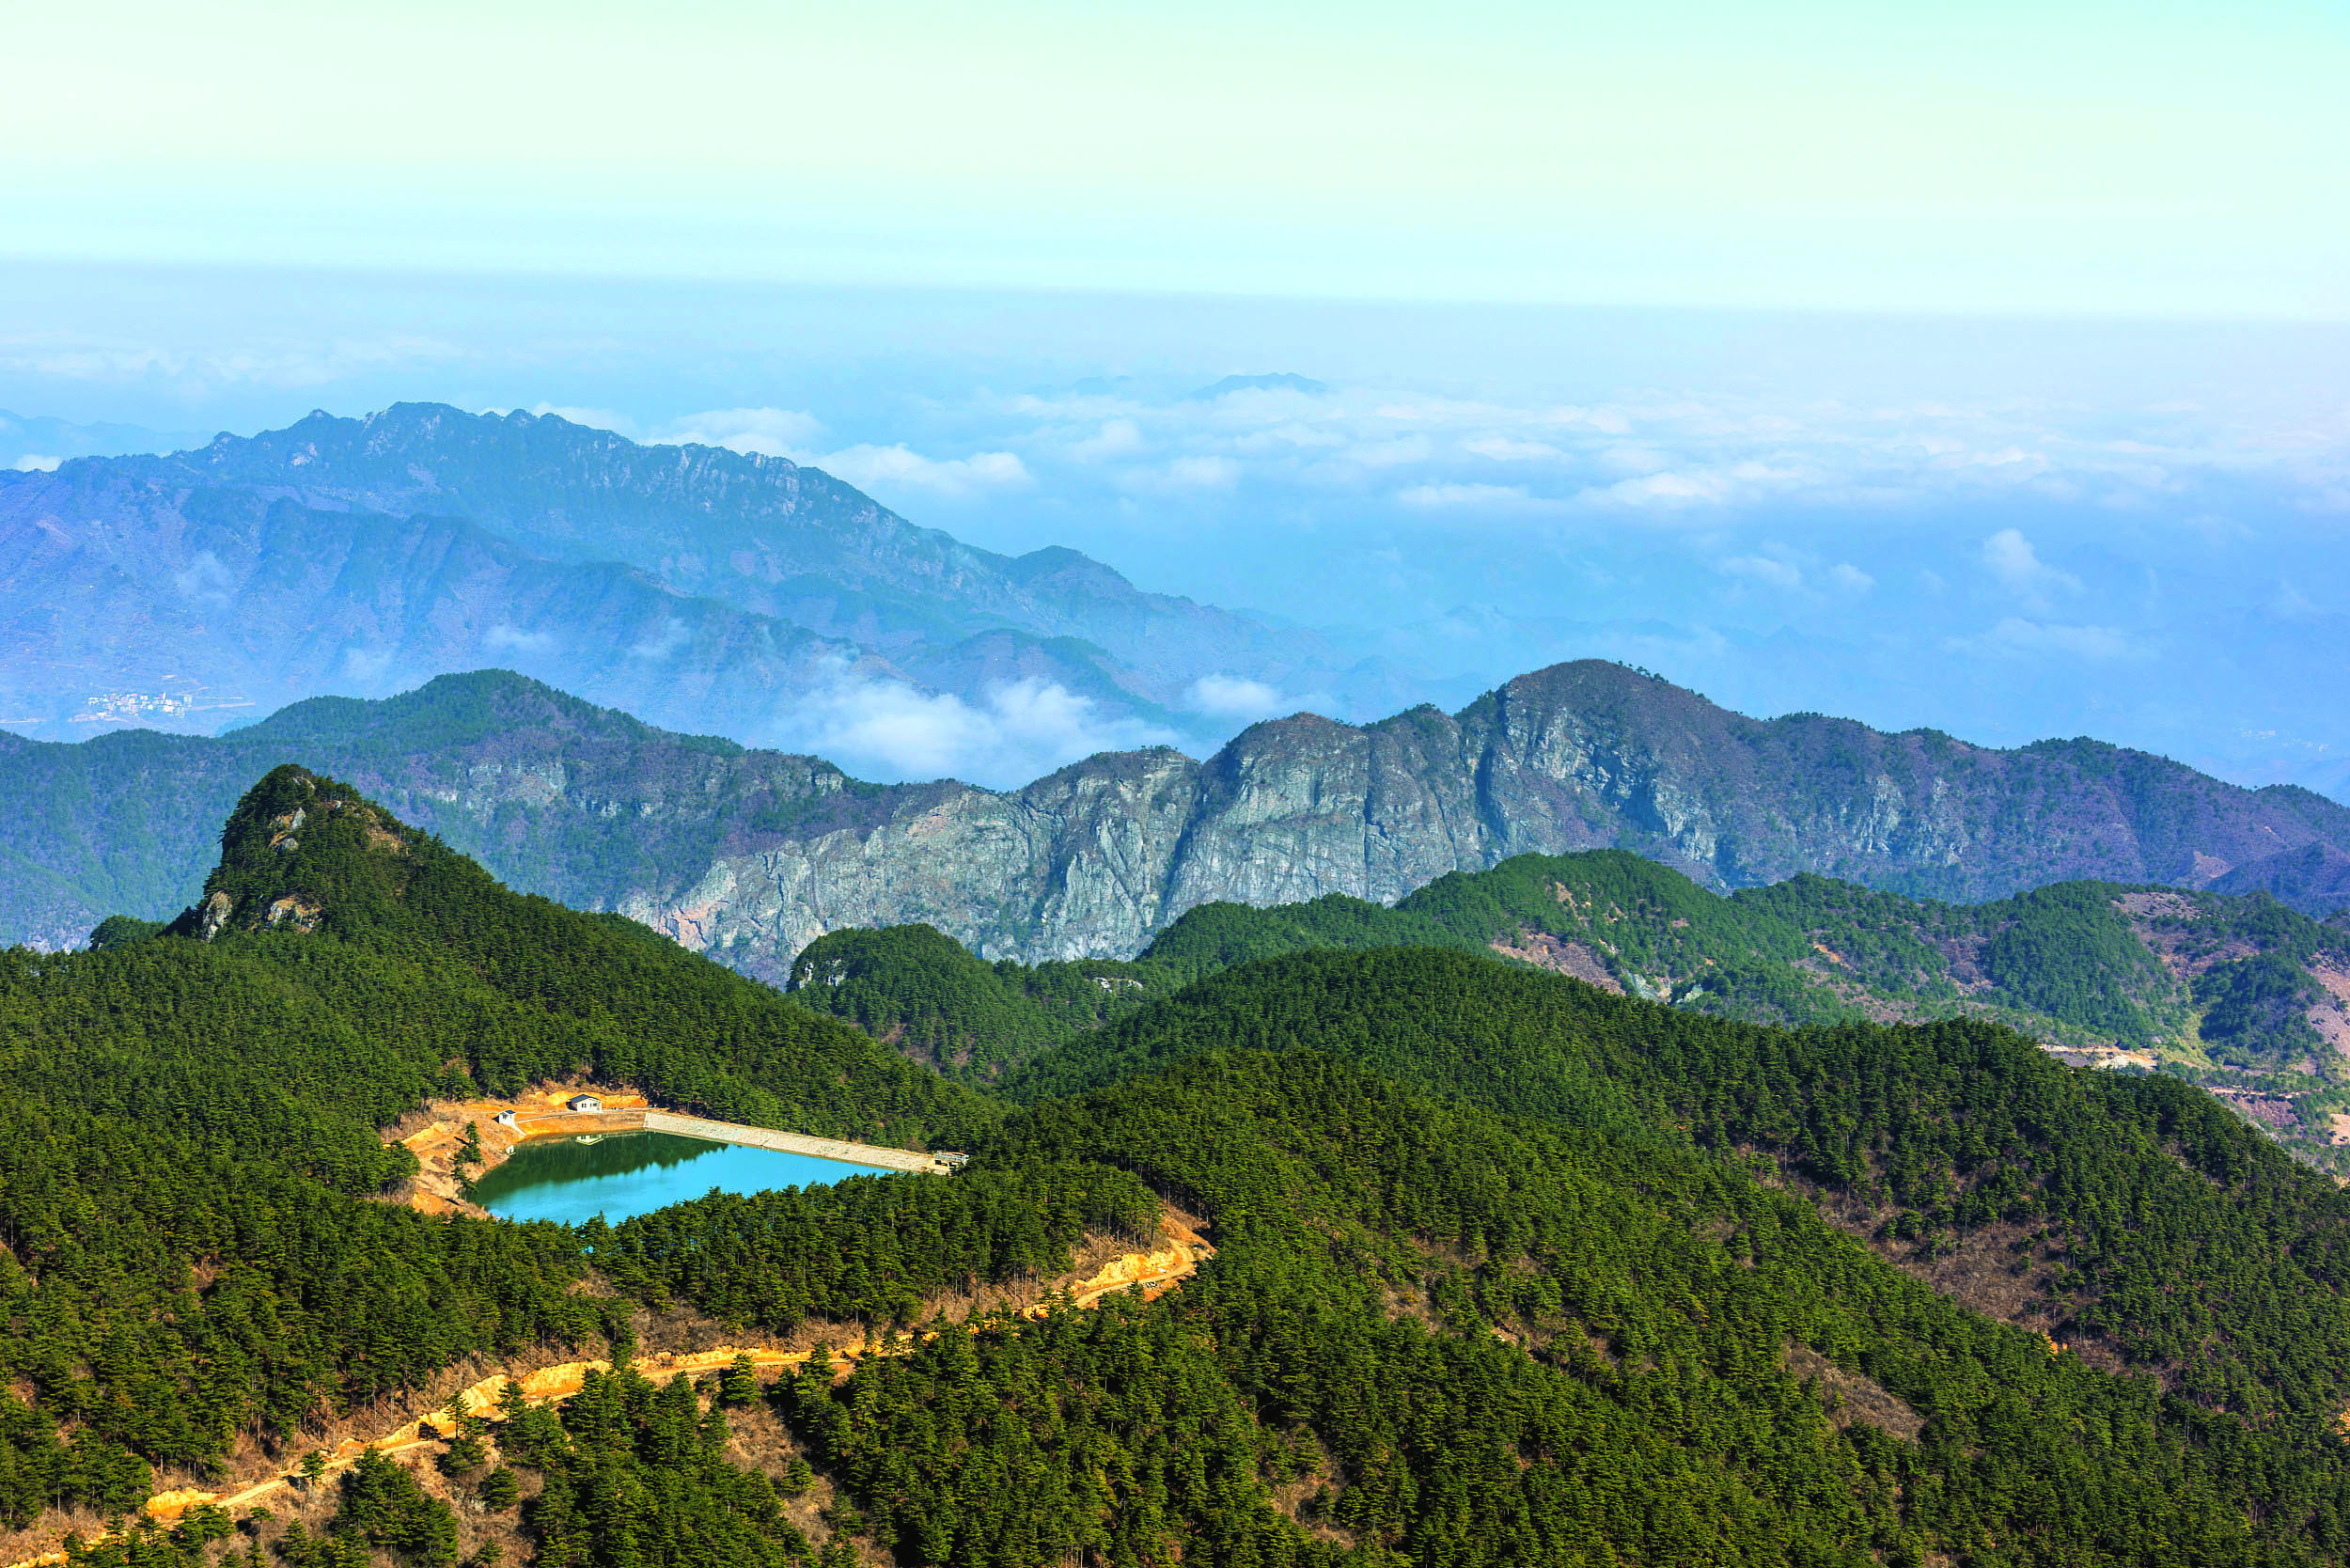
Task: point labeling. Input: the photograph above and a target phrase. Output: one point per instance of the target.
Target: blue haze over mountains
(2002, 529)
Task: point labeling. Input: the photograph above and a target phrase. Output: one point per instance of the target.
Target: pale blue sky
(2065, 158)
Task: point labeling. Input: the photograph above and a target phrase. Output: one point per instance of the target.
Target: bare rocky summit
(749, 856)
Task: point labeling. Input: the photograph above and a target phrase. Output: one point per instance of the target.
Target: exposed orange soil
(1153, 1273)
(435, 1134)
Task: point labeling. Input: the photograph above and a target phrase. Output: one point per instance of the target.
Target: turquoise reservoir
(620, 1175)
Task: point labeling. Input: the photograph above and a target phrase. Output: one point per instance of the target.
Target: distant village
(130, 707)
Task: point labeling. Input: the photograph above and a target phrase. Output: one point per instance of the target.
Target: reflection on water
(618, 1175)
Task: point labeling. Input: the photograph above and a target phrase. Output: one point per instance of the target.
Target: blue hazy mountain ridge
(758, 531)
(700, 587)
(42, 440)
(750, 854)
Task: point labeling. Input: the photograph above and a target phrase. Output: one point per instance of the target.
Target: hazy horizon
(1986, 371)
(2006, 529)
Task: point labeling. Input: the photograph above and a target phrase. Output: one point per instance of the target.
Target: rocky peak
(297, 847)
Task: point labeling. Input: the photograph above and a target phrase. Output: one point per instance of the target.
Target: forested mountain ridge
(749, 856)
(2129, 1211)
(1508, 1269)
(2234, 992)
(553, 990)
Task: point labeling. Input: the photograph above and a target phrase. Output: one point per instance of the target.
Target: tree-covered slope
(1431, 1335)
(2130, 1212)
(921, 991)
(1508, 1269)
(2237, 992)
(190, 1167)
(433, 949)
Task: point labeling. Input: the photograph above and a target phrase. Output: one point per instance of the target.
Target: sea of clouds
(2005, 530)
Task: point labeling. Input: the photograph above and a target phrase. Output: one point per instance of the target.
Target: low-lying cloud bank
(1018, 730)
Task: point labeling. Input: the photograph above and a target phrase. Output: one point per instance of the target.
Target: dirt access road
(1153, 1273)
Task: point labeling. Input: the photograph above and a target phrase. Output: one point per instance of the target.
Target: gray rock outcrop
(212, 916)
(749, 856)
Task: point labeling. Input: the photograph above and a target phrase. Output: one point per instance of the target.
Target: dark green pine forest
(1510, 1270)
(2219, 989)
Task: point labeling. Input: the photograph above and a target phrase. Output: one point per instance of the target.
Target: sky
(1985, 367)
(2077, 157)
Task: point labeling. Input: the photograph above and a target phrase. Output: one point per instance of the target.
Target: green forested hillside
(2129, 1210)
(923, 992)
(2221, 989)
(188, 1152)
(1509, 1270)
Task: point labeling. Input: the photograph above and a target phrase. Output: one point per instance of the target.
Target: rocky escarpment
(749, 856)
(1091, 860)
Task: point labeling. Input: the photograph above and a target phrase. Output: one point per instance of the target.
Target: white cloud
(1607, 422)
(1233, 697)
(1388, 453)
(2019, 568)
(1205, 473)
(1851, 578)
(1453, 494)
(1181, 474)
(1763, 570)
(503, 636)
(1016, 732)
(871, 467)
(2016, 637)
(1118, 438)
(662, 641)
(1501, 449)
(204, 579)
(34, 464)
(1668, 490)
(766, 431)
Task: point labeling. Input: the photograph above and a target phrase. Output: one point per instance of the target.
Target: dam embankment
(439, 1140)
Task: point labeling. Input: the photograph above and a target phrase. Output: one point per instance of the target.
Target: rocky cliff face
(1091, 860)
(749, 856)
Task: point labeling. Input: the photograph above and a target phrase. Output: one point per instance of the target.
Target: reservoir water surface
(620, 1175)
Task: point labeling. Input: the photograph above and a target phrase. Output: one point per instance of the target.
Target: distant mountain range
(702, 587)
(749, 856)
(39, 443)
